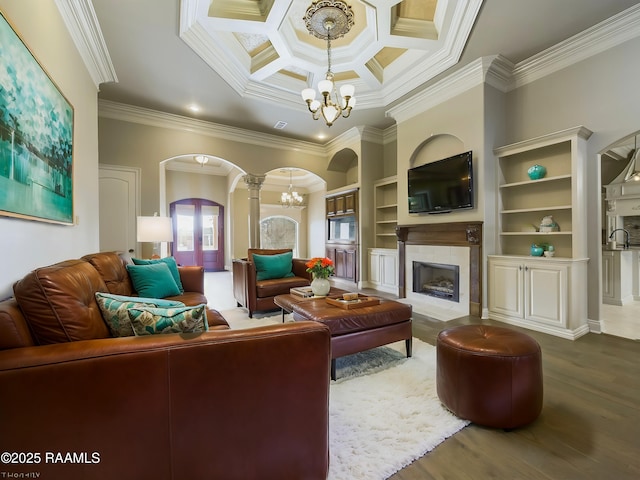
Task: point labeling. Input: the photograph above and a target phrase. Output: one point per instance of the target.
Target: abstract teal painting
(36, 137)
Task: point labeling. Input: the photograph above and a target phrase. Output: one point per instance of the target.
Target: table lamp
(154, 229)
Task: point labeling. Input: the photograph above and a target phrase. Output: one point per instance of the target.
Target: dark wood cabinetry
(331, 206)
(342, 234)
(345, 260)
(341, 204)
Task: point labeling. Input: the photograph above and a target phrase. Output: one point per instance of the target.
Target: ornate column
(254, 184)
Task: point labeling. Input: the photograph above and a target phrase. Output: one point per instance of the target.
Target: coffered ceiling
(263, 49)
(243, 63)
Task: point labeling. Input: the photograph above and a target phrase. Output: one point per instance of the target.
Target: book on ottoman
(304, 292)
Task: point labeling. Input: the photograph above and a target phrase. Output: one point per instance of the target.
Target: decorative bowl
(536, 172)
(536, 251)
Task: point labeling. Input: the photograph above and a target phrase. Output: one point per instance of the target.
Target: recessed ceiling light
(280, 125)
(193, 107)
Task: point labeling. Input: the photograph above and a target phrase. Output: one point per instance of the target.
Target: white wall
(30, 244)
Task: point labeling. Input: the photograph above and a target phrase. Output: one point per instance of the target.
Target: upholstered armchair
(264, 274)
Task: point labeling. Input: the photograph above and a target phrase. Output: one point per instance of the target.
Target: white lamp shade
(330, 113)
(308, 94)
(154, 229)
(325, 86)
(347, 90)
(352, 102)
(314, 105)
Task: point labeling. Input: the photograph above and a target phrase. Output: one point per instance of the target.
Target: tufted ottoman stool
(489, 375)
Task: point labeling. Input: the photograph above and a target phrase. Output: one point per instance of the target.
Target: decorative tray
(360, 301)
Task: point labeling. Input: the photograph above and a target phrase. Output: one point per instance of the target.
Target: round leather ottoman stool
(489, 375)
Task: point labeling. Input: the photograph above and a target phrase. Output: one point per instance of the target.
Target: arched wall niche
(436, 147)
(343, 161)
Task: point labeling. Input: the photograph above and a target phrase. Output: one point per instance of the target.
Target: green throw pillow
(114, 310)
(154, 280)
(273, 266)
(149, 320)
(171, 263)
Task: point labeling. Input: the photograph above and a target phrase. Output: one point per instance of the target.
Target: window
(279, 232)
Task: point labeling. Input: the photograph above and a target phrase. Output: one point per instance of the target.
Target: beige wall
(29, 244)
(181, 185)
(460, 117)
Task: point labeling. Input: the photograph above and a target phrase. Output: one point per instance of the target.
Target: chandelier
(329, 19)
(291, 198)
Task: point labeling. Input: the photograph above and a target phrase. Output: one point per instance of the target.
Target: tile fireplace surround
(458, 234)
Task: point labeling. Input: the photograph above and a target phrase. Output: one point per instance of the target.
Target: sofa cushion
(58, 302)
(273, 266)
(171, 263)
(149, 320)
(114, 310)
(111, 268)
(153, 281)
(278, 286)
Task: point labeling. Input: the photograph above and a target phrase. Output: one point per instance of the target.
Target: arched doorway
(198, 233)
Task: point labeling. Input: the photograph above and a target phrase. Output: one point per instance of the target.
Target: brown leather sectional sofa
(223, 404)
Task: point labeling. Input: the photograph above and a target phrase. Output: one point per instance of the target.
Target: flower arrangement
(320, 267)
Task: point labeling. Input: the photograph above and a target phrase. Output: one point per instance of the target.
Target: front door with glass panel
(198, 231)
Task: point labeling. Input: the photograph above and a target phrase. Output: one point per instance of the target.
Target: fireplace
(456, 243)
(437, 280)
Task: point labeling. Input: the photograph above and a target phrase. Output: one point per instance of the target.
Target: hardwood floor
(589, 428)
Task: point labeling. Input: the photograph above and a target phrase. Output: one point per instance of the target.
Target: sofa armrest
(14, 332)
(244, 281)
(192, 278)
(299, 268)
(191, 401)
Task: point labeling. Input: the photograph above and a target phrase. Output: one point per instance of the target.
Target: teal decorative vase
(536, 251)
(536, 172)
(320, 286)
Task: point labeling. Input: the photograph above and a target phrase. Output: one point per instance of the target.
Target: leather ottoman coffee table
(286, 302)
(357, 329)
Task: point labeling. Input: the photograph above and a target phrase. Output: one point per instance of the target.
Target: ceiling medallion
(329, 19)
(336, 13)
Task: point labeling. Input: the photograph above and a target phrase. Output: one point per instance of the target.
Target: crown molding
(502, 74)
(446, 57)
(467, 77)
(614, 31)
(82, 24)
(155, 118)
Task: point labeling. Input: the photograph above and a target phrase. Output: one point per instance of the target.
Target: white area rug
(384, 410)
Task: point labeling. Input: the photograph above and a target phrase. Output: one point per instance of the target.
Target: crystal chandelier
(291, 198)
(329, 19)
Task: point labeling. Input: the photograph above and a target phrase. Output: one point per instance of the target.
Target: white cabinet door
(546, 294)
(374, 268)
(389, 273)
(506, 287)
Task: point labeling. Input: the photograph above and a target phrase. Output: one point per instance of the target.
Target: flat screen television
(442, 186)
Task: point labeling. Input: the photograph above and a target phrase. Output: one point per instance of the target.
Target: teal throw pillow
(153, 280)
(149, 320)
(171, 263)
(114, 310)
(273, 266)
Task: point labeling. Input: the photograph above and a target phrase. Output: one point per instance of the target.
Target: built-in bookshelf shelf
(386, 212)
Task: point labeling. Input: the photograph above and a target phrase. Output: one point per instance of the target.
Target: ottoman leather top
(489, 340)
(342, 321)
